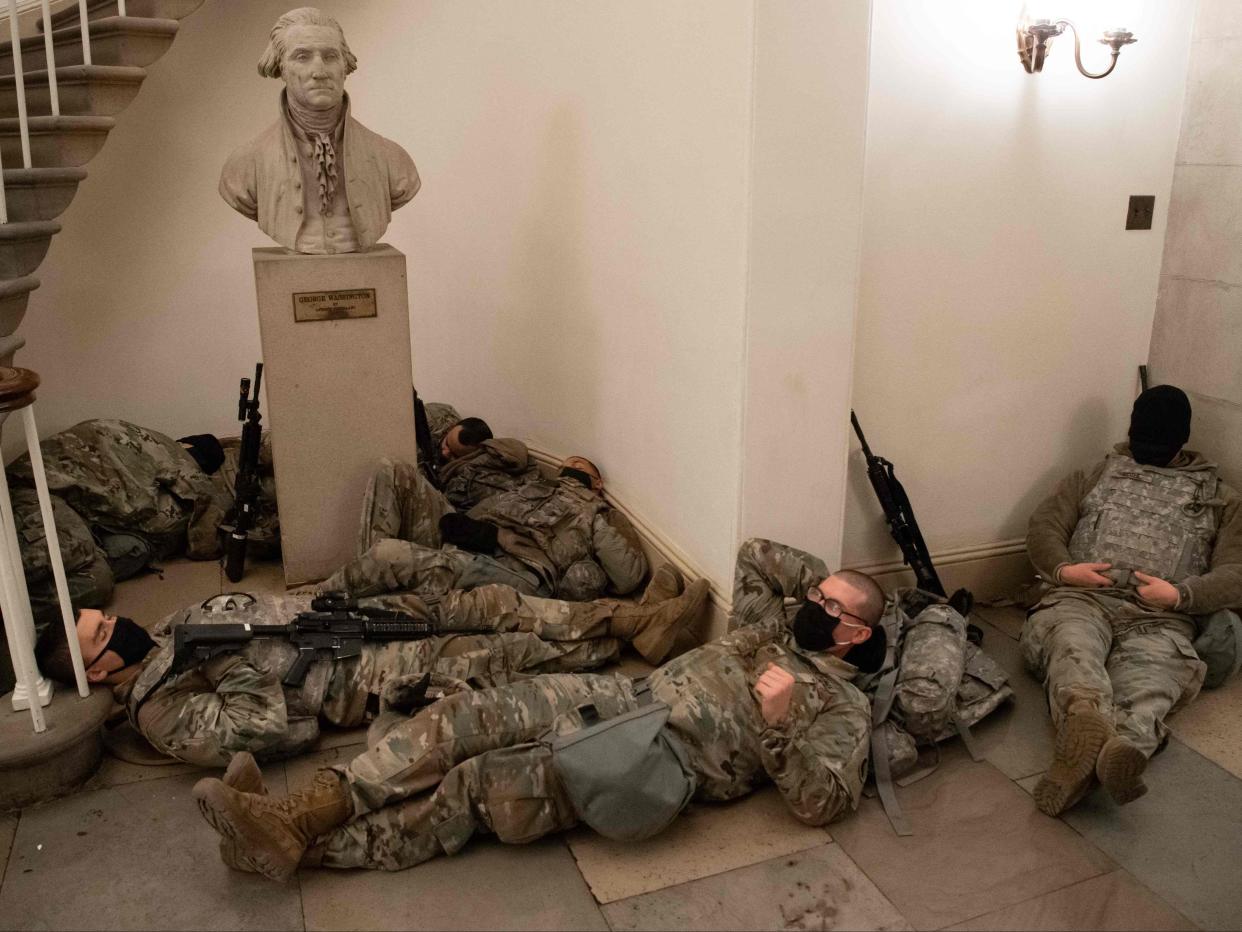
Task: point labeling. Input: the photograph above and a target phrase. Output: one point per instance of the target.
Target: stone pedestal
(34, 767)
(338, 376)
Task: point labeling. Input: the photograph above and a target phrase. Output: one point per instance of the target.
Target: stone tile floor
(129, 850)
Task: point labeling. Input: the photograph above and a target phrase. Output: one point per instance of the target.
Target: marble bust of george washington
(317, 181)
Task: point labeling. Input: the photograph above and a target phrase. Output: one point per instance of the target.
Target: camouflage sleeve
(765, 574)
(1052, 523)
(245, 711)
(1221, 586)
(820, 767)
(619, 551)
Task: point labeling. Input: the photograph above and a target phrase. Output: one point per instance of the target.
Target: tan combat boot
(1083, 732)
(1120, 768)
(666, 583)
(273, 834)
(243, 774)
(653, 627)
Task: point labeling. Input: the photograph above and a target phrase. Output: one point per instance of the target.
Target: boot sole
(1077, 746)
(1120, 768)
(214, 810)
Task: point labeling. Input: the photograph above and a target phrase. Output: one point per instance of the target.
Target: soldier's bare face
(313, 67)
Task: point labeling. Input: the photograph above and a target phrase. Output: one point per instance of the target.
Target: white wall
(577, 256)
(811, 61)
(1003, 306)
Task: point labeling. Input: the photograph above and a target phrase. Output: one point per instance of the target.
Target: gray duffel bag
(627, 777)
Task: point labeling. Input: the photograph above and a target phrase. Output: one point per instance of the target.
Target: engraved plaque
(333, 305)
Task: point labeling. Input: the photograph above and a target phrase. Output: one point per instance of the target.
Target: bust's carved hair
(269, 64)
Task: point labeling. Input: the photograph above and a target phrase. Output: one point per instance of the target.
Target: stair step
(55, 142)
(13, 297)
(8, 347)
(84, 90)
(146, 9)
(115, 40)
(23, 246)
(40, 193)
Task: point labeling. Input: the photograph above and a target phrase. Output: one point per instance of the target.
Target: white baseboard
(990, 571)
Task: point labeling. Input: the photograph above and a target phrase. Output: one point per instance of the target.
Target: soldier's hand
(1084, 575)
(1156, 591)
(775, 690)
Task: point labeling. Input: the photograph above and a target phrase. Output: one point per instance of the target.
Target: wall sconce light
(1035, 39)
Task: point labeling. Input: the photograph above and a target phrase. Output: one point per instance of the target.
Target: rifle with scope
(242, 516)
(338, 630)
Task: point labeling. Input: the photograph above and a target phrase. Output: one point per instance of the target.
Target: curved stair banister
(53, 120)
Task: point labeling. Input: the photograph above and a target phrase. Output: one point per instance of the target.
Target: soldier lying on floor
(237, 701)
(123, 497)
(548, 536)
(771, 702)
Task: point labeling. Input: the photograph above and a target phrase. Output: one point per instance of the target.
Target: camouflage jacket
(559, 529)
(499, 465)
(1054, 522)
(817, 756)
(123, 478)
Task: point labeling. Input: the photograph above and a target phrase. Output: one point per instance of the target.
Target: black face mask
(1152, 454)
(129, 641)
(813, 627)
(584, 477)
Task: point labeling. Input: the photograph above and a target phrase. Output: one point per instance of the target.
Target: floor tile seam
(1225, 770)
(871, 880)
(1117, 868)
(740, 867)
(599, 907)
(1121, 868)
(8, 855)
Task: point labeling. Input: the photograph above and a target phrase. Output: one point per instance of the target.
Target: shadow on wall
(548, 342)
(1091, 422)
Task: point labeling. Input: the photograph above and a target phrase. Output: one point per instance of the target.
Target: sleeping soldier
(1136, 548)
(236, 701)
(770, 702)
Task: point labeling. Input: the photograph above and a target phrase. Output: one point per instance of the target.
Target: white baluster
(120, 7)
(86, 33)
(18, 626)
(51, 58)
(23, 122)
(53, 549)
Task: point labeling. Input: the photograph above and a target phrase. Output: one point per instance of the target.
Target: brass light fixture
(1035, 41)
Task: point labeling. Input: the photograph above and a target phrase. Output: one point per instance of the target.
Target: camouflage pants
(1134, 665)
(765, 574)
(528, 636)
(393, 565)
(468, 764)
(400, 503)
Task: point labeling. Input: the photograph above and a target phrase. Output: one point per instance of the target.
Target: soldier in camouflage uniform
(550, 536)
(770, 702)
(236, 701)
(1139, 545)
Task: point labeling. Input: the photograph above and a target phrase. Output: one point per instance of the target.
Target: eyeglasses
(833, 607)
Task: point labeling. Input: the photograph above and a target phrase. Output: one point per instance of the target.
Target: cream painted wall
(1003, 306)
(811, 62)
(577, 256)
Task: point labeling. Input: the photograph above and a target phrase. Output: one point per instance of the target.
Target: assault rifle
(339, 630)
(905, 530)
(241, 517)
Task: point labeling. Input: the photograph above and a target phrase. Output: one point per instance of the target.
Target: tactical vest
(1149, 518)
